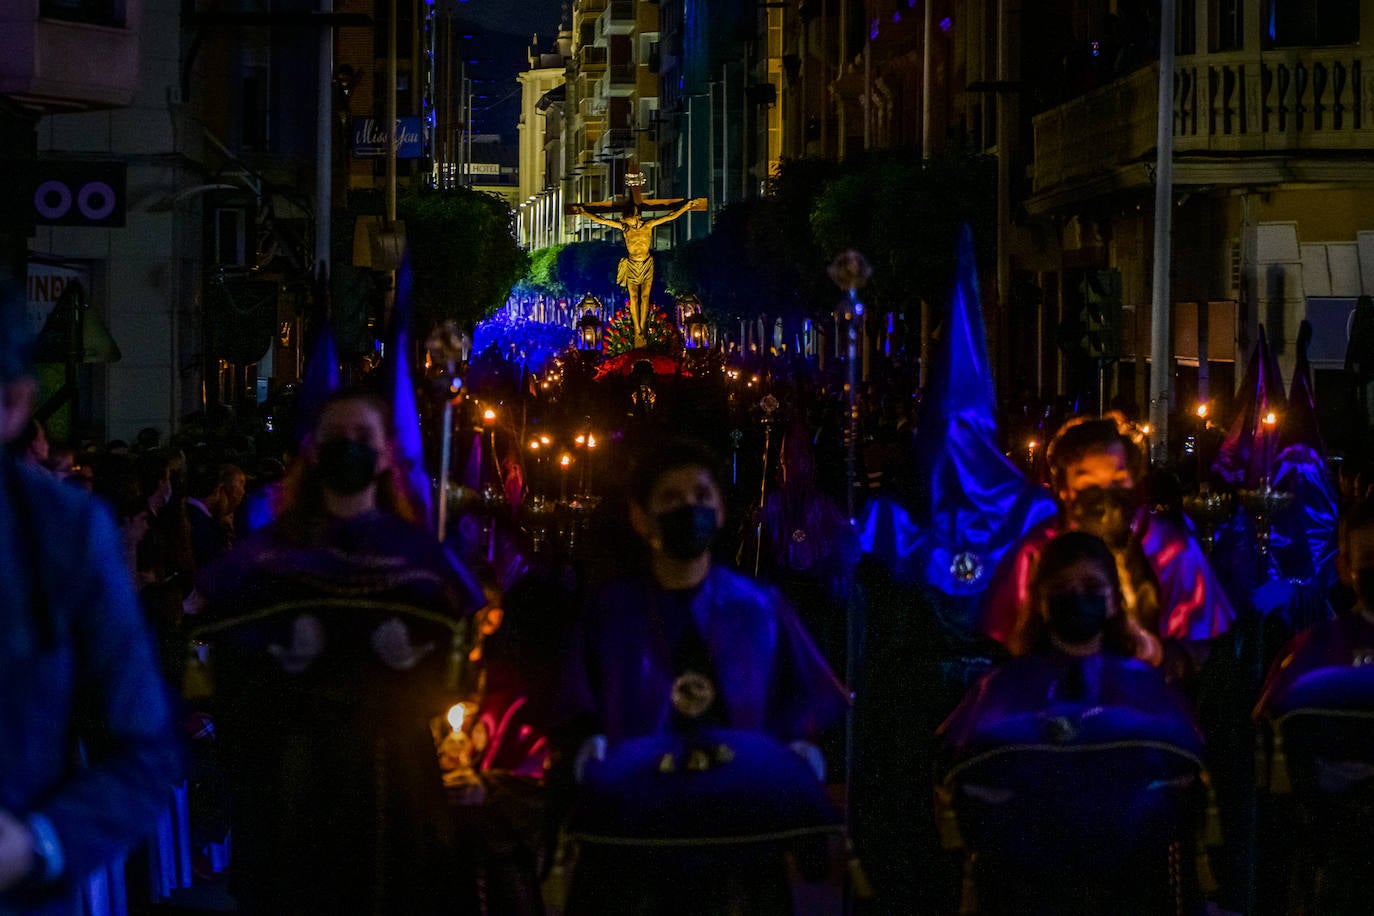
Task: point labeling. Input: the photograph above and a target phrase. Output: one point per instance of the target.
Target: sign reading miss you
(369, 138)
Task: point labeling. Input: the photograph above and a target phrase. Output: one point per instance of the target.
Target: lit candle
(564, 462)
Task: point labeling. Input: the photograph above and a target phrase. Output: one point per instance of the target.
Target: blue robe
(76, 664)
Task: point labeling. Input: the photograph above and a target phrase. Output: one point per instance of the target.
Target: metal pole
(445, 457)
(711, 148)
(724, 135)
(324, 142)
(1161, 355)
(925, 80)
(391, 116)
(691, 141)
(868, 92)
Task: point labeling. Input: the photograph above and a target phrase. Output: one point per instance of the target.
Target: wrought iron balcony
(1284, 103)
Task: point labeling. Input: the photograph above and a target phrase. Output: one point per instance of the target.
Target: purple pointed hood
(1248, 453)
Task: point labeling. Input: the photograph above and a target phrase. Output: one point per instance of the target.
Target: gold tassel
(1206, 881)
(968, 897)
(858, 879)
(1211, 824)
(1279, 783)
(946, 820)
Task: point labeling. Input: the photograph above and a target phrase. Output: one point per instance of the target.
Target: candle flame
(565, 460)
(455, 716)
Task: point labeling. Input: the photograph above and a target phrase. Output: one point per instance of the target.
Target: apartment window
(1229, 26)
(1301, 23)
(91, 12)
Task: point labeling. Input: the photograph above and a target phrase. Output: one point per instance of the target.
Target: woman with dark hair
(1081, 649)
(1072, 774)
(336, 635)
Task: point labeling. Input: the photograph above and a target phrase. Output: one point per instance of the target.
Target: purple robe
(330, 660)
(772, 677)
(1007, 705)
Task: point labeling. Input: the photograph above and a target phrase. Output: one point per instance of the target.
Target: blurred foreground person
(1318, 709)
(86, 749)
(1073, 774)
(336, 635)
(1170, 598)
(702, 698)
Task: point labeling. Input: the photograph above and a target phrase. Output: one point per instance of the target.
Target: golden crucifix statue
(636, 270)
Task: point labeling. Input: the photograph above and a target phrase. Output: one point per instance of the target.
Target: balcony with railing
(620, 81)
(591, 59)
(66, 55)
(615, 142)
(618, 18)
(1285, 103)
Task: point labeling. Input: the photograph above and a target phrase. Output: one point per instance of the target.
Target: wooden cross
(634, 183)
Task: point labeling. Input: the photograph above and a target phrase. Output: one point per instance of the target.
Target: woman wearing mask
(689, 669)
(334, 636)
(1073, 741)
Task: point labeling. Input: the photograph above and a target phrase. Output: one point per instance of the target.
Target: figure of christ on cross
(636, 270)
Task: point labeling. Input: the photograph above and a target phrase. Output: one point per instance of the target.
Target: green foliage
(904, 216)
(463, 254)
(589, 267)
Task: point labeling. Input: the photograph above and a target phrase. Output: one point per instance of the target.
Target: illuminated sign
(369, 138)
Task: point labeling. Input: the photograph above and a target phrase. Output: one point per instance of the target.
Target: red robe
(1192, 605)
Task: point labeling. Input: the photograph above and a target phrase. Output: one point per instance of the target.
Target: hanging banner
(45, 284)
(369, 138)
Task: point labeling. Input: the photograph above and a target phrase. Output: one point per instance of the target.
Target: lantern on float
(696, 332)
(589, 325)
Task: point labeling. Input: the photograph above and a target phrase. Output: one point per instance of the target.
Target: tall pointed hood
(401, 389)
(1300, 422)
(321, 366)
(1247, 454)
(978, 503)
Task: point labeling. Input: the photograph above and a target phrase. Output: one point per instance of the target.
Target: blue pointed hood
(321, 377)
(978, 504)
(400, 388)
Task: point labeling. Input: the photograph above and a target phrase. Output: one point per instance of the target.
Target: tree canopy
(463, 252)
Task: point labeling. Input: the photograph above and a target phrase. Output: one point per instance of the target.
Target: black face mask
(1364, 586)
(347, 467)
(1076, 618)
(687, 531)
(1106, 512)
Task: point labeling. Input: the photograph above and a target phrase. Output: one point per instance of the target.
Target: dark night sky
(501, 31)
(518, 17)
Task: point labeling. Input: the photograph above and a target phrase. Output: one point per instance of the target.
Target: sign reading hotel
(369, 138)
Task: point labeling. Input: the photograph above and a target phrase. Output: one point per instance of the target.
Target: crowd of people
(688, 682)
